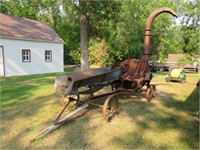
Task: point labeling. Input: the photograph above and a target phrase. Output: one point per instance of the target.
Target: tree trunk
(84, 41)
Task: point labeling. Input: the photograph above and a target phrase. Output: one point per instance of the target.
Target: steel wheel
(167, 79)
(151, 92)
(110, 107)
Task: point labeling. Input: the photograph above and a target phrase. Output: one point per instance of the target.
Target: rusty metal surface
(128, 75)
(125, 77)
(142, 68)
(135, 73)
(69, 84)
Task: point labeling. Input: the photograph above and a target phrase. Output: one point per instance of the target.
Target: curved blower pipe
(147, 33)
(143, 64)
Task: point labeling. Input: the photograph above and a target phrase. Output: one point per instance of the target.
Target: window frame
(48, 56)
(26, 55)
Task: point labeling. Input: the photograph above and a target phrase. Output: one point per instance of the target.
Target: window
(48, 56)
(26, 55)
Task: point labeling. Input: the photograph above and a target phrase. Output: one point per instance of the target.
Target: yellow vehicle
(176, 74)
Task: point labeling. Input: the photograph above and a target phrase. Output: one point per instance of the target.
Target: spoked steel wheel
(110, 107)
(151, 92)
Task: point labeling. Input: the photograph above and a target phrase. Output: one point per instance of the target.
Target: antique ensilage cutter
(129, 76)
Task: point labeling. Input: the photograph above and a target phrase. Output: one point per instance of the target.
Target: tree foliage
(115, 28)
(190, 27)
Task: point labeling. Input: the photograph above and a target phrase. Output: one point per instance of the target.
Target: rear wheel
(167, 79)
(151, 92)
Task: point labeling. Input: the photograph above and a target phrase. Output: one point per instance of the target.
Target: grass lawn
(29, 104)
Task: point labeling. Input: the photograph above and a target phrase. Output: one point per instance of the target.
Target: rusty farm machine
(129, 76)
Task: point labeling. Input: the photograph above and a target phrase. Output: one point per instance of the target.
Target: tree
(115, 26)
(190, 26)
(59, 14)
(130, 33)
(84, 34)
(171, 44)
(93, 15)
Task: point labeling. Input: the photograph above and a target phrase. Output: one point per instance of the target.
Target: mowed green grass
(29, 104)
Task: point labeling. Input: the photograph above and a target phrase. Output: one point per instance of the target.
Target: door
(2, 72)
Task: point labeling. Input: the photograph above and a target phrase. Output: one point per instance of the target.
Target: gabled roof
(173, 58)
(27, 29)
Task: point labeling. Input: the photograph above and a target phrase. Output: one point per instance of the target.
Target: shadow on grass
(23, 98)
(177, 120)
(156, 118)
(22, 91)
(19, 120)
(156, 121)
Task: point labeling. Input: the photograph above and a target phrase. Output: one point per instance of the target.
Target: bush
(98, 52)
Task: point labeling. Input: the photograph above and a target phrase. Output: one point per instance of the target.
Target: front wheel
(110, 107)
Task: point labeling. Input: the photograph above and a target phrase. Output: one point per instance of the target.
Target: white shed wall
(13, 57)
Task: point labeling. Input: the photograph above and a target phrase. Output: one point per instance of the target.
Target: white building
(28, 47)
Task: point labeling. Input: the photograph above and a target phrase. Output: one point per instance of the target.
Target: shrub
(98, 52)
